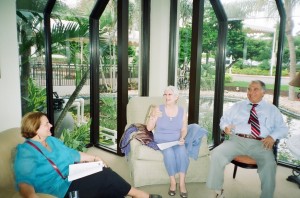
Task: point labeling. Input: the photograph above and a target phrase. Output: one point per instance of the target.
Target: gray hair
(262, 84)
(173, 89)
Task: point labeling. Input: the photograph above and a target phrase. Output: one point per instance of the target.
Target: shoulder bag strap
(51, 162)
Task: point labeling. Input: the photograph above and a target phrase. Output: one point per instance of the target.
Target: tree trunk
(69, 103)
(102, 74)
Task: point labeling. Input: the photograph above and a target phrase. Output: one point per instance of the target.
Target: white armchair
(146, 164)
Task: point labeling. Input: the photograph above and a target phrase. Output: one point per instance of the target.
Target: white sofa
(146, 164)
(8, 142)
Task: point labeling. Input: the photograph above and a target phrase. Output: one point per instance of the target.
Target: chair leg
(234, 171)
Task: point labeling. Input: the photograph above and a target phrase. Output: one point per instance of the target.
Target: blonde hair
(31, 123)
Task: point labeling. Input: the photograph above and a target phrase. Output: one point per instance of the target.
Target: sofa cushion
(8, 141)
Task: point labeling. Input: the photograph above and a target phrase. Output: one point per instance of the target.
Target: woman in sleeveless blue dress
(168, 121)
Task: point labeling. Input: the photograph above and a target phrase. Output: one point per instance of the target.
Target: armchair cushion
(143, 152)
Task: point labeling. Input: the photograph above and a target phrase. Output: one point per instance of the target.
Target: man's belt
(249, 136)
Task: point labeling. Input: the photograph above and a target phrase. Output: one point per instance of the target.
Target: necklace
(44, 143)
(171, 112)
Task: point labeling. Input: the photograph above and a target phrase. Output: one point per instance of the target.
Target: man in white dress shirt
(236, 122)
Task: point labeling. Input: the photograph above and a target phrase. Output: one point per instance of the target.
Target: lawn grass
(245, 84)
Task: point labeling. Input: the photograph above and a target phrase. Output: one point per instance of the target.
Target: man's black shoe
(155, 196)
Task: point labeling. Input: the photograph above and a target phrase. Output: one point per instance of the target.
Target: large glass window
(185, 42)
(289, 101)
(108, 77)
(108, 68)
(70, 63)
(31, 55)
(208, 69)
(134, 26)
(208, 63)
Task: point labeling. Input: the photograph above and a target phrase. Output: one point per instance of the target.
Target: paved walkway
(266, 79)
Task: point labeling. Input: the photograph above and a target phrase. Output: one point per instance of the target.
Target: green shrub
(239, 64)
(264, 65)
(36, 97)
(78, 137)
(258, 70)
(108, 112)
(228, 78)
(132, 85)
(207, 83)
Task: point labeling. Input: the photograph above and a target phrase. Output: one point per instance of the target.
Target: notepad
(166, 145)
(80, 170)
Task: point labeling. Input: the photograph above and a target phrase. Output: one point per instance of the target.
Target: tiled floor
(246, 184)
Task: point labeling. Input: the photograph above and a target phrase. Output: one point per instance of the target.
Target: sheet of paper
(163, 146)
(80, 170)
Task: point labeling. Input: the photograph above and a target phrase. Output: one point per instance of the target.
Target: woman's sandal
(183, 195)
(172, 192)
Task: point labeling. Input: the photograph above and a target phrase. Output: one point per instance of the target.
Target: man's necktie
(253, 120)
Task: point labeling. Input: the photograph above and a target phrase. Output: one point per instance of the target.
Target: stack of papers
(166, 145)
(80, 170)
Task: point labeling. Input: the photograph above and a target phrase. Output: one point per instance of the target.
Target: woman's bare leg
(172, 183)
(182, 186)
